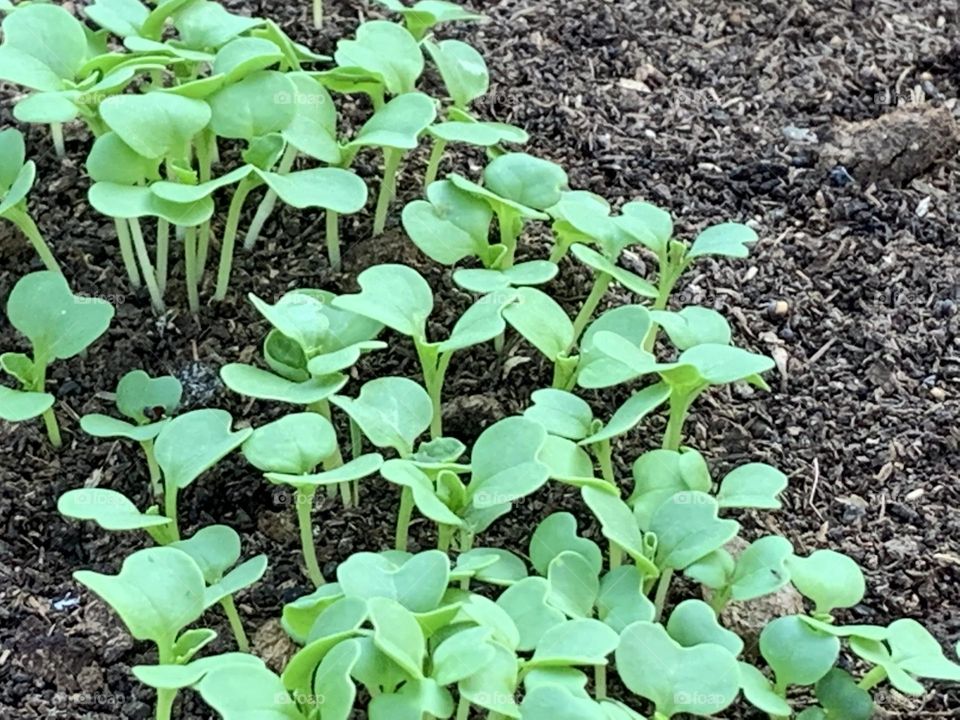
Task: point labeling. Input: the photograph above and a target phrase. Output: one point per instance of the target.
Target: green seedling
(517, 188)
(385, 53)
(157, 594)
(424, 15)
(506, 464)
(312, 345)
(59, 325)
(398, 297)
(216, 550)
(140, 399)
(288, 452)
(486, 281)
(17, 176)
(187, 447)
(396, 129)
(44, 50)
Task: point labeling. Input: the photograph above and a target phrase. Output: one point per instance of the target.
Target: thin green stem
(190, 269)
(600, 682)
(510, 228)
(236, 625)
(53, 428)
(165, 696)
(663, 591)
(332, 222)
(126, 251)
(21, 218)
(444, 537)
(404, 514)
(600, 285)
(433, 164)
(318, 14)
(163, 253)
(146, 266)
(269, 202)
(874, 677)
(170, 510)
(604, 452)
(206, 146)
(679, 406)
(463, 709)
(156, 479)
(322, 407)
(230, 238)
(388, 188)
(616, 556)
(304, 501)
(56, 132)
(559, 249)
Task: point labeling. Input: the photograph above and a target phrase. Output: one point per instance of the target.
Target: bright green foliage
(59, 325)
(423, 15)
(17, 175)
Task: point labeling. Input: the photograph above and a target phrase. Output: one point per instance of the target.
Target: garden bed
(852, 289)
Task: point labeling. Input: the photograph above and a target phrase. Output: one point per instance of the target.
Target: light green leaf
(19, 405)
(754, 485)
(505, 464)
(482, 134)
(399, 123)
(395, 295)
(541, 320)
(245, 55)
(842, 698)
(112, 160)
(127, 201)
(107, 508)
(729, 239)
(158, 592)
(647, 224)
(762, 568)
(120, 17)
(385, 50)
(618, 525)
(575, 642)
(57, 323)
(155, 125)
(462, 68)
(193, 443)
(621, 601)
(483, 321)
(406, 474)
(629, 415)
(257, 383)
(660, 474)
(392, 412)
(700, 680)
(485, 280)
(831, 579)
(713, 570)
(557, 534)
(450, 225)
(687, 528)
(397, 634)
(494, 686)
(526, 603)
(692, 326)
(177, 677)
(598, 369)
(798, 654)
(760, 693)
(553, 702)
(331, 188)
(574, 584)
(48, 107)
(693, 623)
(561, 413)
(418, 584)
(526, 180)
(48, 34)
(313, 130)
(633, 282)
(239, 693)
(137, 392)
(256, 106)
(356, 469)
(461, 655)
(207, 25)
(294, 444)
(333, 682)
(183, 193)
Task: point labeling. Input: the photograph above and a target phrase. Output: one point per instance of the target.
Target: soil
(702, 108)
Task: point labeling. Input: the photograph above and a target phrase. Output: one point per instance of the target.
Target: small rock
(938, 394)
(923, 207)
(854, 508)
(914, 494)
(803, 136)
(778, 308)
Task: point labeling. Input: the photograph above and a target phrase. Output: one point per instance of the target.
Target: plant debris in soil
(712, 110)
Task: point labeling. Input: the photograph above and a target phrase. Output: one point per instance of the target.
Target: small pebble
(778, 308)
(938, 394)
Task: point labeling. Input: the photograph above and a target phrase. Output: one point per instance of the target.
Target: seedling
(424, 15)
(59, 325)
(216, 550)
(517, 187)
(396, 128)
(17, 176)
(288, 451)
(157, 594)
(140, 399)
(398, 297)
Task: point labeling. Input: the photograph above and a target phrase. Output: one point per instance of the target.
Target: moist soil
(698, 107)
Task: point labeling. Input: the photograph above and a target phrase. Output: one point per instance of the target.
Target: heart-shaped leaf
(561, 413)
(256, 106)
(462, 68)
(557, 534)
(485, 280)
(647, 224)
(687, 528)
(621, 601)
(525, 179)
(762, 568)
(660, 474)
(57, 323)
(692, 326)
(526, 603)
(357, 469)
(313, 130)
(385, 50)
(618, 525)
(156, 125)
(294, 444)
(127, 201)
(797, 653)
(206, 25)
(245, 55)
(193, 443)
(634, 283)
(450, 225)
(426, 13)
(50, 37)
(760, 693)
(754, 485)
(392, 412)
(120, 17)
(462, 654)
(729, 239)
(505, 464)
(425, 497)
(137, 392)
(831, 579)
(574, 584)
(177, 677)
(399, 123)
(236, 692)
(395, 295)
(107, 508)
(597, 369)
(418, 584)
(482, 134)
(157, 593)
(693, 623)
(700, 680)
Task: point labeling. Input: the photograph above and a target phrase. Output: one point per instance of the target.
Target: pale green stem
(667, 281)
(206, 146)
(163, 253)
(230, 238)
(673, 436)
(388, 188)
(404, 514)
(236, 624)
(304, 501)
(126, 251)
(558, 251)
(190, 269)
(333, 239)
(663, 590)
(600, 682)
(510, 229)
(322, 407)
(616, 556)
(53, 428)
(318, 14)
(56, 132)
(604, 453)
(146, 266)
(874, 677)
(463, 709)
(28, 227)
(433, 165)
(156, 479)
(165, 697)
(600, 285)
(269, 202)
(170, 510)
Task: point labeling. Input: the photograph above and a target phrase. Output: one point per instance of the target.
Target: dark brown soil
(683, 103)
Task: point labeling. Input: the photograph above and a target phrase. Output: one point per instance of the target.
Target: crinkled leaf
(687, 528)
